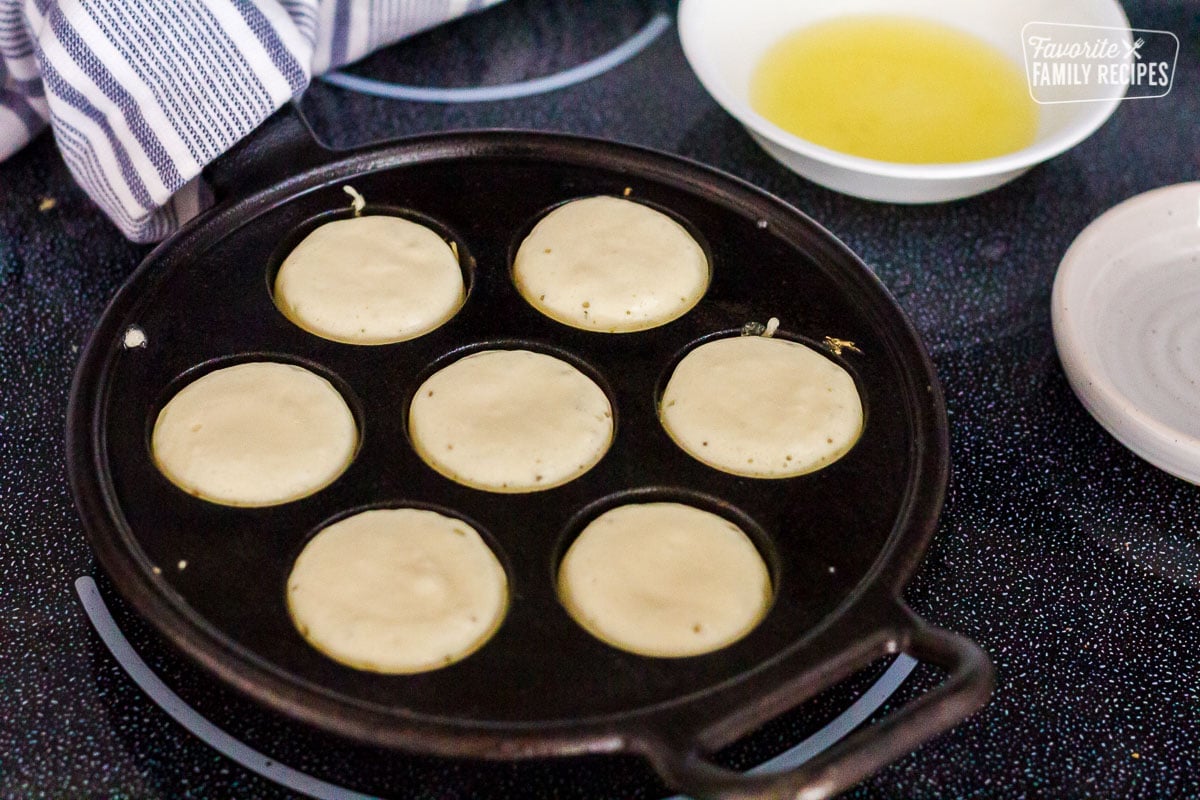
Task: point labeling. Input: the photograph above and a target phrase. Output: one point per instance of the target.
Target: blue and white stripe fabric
(142, 94)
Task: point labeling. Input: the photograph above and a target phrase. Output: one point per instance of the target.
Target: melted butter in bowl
(898, 89)
(876, 55)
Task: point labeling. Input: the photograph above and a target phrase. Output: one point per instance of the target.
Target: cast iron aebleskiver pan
(840, 542)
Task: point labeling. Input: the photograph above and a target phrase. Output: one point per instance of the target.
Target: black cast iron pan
(840, 542)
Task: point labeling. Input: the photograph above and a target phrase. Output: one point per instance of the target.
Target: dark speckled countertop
(1072, 562)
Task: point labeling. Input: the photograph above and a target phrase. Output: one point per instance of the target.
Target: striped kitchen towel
(142, 94)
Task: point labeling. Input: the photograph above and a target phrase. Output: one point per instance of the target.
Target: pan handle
(966, 688)
(282, 147)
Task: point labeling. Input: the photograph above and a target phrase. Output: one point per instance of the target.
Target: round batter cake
(611, 265)
(664, 579)
(510, 421)
(397, 591)
(255, 434)
(761, 407)
(370, 280)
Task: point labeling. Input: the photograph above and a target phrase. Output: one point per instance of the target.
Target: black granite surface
(1072, 562)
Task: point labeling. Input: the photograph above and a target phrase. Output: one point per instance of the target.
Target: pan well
(253, 433)
(397, 590)
(610, 265)
(370, 276)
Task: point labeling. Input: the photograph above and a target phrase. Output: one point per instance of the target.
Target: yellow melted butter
(895, 89)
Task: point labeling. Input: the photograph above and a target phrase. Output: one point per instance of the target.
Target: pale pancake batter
(664, 579)
(510, 421)
(370, 280)
(611, 265)
(397, 591)
(255, 434)
(761, 407)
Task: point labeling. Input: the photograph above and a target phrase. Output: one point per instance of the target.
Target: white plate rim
(1170, 449)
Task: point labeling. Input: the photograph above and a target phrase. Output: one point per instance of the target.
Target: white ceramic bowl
(1126, 312)
(724, 41)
